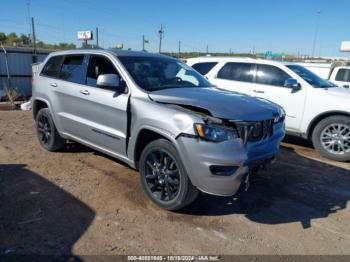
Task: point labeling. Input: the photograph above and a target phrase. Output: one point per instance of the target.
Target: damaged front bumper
(220, 168)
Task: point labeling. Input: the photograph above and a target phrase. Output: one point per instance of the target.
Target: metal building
(16, 69)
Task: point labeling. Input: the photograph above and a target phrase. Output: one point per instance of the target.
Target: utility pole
(97, 37)
(179, 48)
(143, 42)
(316, 33)
(34, 42)
(207, 49)
(161, 35)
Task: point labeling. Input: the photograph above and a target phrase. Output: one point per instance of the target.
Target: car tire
(48, 136)
(163, 176)
(331, 137)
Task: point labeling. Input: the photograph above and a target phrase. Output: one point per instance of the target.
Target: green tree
(3, 37)
(24, 39)
(12, 39)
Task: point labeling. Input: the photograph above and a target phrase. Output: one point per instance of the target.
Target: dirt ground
(82, 202)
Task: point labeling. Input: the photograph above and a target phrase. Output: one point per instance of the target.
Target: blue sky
(285, 25)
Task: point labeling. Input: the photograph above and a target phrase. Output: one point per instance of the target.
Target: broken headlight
(215, 133)
(281, 115)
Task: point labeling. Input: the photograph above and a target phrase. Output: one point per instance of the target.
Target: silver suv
(159, 116)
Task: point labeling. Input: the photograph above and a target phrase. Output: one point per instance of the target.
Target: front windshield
(310, 77)
(155, 73)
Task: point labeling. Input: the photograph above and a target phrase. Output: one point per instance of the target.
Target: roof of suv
(234, 59)
(115, 52)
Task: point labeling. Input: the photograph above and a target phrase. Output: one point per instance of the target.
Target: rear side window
(243, 72)
(343, 75)
(72, 69)
(52, 67)
(205, 67)
(271, 75)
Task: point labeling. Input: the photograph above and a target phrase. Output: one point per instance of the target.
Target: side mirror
(292, 83)
(111, 81)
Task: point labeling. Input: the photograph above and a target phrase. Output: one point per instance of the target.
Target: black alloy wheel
(162, 175)
(44, 129)
(48, 135)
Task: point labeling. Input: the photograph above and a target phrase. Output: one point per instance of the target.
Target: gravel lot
(82, 202)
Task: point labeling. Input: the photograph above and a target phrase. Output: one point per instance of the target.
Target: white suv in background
(316, 109)
(341, 76)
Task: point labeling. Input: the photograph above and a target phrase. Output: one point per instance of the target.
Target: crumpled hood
(221, 104)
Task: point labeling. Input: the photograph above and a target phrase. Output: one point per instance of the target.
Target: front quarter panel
(160, 118)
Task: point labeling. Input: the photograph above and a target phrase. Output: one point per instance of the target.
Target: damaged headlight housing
(281, 115)
(215, 133)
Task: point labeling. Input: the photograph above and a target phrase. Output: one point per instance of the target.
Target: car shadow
(299, 141)
(294, 189)
(73, 147)
(36, 216)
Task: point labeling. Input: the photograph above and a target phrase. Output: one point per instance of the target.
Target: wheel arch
(144, 137)
(38, 104)
(322, 116)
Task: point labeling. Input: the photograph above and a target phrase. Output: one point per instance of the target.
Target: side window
(72, 69)
(52, 67)
(270, 75)
(99, 65)
(347, 75)
(340, 75)
(343, 75)
(205, 67)
(243, 72)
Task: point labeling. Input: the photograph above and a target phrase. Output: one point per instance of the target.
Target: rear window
(243, 72)
(52, 67)
(204, 67)
(343, 75)
(72, 69)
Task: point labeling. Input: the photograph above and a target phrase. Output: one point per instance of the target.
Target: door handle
(258, 91)
(53, 84)
(85, 92)
(346, 86)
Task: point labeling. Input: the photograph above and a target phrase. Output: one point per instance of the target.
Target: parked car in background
(337, 73)
(315, 108)
(159, 116)
(341, 76)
